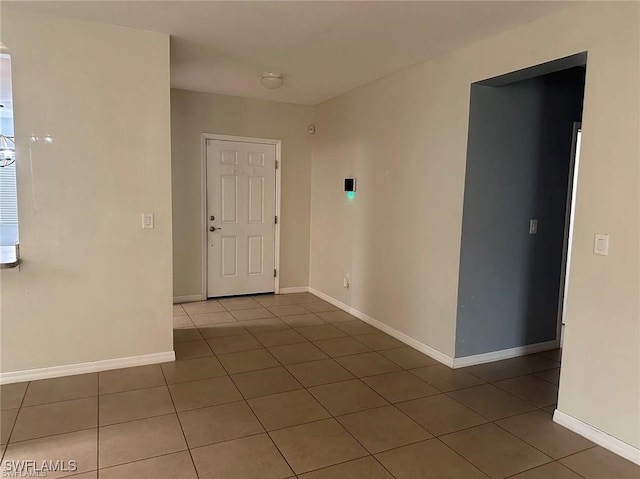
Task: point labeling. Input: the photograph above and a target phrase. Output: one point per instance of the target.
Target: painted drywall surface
(518, 157)
(602, 330)
(404, 139)
(93, 285)
(195, 113)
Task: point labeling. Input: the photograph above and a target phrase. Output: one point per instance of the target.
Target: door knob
(213, 228)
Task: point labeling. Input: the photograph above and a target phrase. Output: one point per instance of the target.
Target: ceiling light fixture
(271, 80)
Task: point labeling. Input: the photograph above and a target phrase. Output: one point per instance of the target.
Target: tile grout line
(52, 435)
(530, 375)
(358, 378)
(373, 455)
(312, 396)
(535, 408)
(333, 358)
(98, 396)
(126, 463)
(59, 401)
(335, 418)
(98, 426)
(393, 404)
(306, 389)
(307, 341)
(553, 459)
(188, 448)
(488, 476)
(545, 464)
(302, 388)
(265, 395)
(264, 429)
(15, 422)
(184, 436)
(495, 422)
(324, 419)
(546, 380)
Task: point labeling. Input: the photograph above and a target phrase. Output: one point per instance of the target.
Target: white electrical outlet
(533, 227)
(347, 280)
(147, 221)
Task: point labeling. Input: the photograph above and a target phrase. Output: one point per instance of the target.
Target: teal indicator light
(350, 187)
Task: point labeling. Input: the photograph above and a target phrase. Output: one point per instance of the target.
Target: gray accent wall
(518, 158)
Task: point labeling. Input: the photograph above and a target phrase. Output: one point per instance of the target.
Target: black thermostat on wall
(349, 184)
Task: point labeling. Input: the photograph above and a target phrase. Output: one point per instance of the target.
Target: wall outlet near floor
(347, 280)
(533, 227)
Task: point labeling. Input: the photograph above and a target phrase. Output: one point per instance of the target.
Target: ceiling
(322, 48)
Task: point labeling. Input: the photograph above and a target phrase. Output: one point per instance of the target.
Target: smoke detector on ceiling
(271, 80)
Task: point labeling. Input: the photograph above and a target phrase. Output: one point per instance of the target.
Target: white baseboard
(408, 340)
(505, 354)
(88, 367)
(197, 297)
(187, 299)
(601, 438)
(295, 289)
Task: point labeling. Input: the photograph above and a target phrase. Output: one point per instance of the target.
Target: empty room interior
(351, 239)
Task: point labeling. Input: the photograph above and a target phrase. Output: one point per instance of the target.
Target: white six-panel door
(241, 208)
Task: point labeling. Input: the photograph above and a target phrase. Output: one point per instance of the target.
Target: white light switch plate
(601, 244)
(147, 221)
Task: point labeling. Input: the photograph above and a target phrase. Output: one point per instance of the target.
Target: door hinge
(277, 164)
(275, 272)
(276, 219)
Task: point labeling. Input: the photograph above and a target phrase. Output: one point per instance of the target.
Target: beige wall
(195, 113)
(93, 284)
(404, 138)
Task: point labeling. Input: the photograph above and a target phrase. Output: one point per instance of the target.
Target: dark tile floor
(271, 387)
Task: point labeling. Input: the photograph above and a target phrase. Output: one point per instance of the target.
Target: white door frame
(203, 203)
(569, 218)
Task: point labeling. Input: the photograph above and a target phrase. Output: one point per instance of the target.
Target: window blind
(8, 196)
